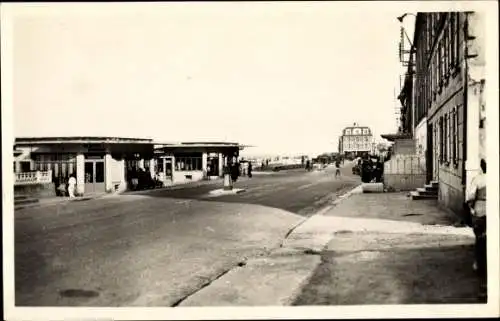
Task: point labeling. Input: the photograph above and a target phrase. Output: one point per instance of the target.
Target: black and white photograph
(250, 159)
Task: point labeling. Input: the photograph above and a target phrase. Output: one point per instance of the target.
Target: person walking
(476, 199)
(71, 186)
(337, 168)
(249, 170)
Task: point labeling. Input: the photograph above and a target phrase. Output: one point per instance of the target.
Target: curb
(357, 189)
(171, 187)
(298, 290)
(60, 201)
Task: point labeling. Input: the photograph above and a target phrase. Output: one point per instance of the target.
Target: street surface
(296, 191)
(159, 247)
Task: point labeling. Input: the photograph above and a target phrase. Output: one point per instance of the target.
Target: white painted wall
(179, 177)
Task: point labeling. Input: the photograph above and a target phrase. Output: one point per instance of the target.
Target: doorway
(168, 168)
(94, 176)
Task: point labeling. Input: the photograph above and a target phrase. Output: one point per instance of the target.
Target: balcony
(32, 178)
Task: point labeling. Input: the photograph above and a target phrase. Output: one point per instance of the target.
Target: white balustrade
(37, 177)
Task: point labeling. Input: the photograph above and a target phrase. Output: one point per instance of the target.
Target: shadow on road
(429, 275)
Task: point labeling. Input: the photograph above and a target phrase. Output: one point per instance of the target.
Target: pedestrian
(476, 199)
(337, 168)
(234, 171)
(366, 170)
(379, 170)
(249, 170)
(71, 186)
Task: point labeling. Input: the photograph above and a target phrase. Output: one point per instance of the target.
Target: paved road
(156, 249)
(296, 191)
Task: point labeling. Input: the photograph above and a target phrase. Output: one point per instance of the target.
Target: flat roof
(194, 145)
(393, 137)
(81, 140)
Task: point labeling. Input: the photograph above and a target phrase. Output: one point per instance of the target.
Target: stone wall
(35, 190)
(180, 177)
(403, 173)
(404, 147)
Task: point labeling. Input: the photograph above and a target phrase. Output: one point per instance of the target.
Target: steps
(429, 191)
(24, 200)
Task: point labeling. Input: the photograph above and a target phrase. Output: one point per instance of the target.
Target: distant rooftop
(355, 126)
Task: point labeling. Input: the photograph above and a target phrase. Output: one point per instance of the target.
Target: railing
(28, 178)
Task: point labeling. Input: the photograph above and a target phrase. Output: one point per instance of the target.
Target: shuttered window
(454, 137)
(441, 140)
(453, 36)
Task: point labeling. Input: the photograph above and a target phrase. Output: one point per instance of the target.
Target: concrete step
(426, 191)
(417, 196)
(434, 183)
(431, 187)
(372, 187)
(20, 197)
(26, 201)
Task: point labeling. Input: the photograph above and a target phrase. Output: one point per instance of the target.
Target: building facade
(448, 86)
(356, 140)
(193, 161)
(108, 164)
(99, 164)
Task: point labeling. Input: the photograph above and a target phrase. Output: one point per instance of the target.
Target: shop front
(187, 162)
(97, 163)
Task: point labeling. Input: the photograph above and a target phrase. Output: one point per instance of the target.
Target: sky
(284, 78)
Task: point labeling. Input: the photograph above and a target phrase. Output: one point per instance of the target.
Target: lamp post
(400, 19)
(410, 72)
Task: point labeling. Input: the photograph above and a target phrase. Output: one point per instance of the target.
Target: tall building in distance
(355, 141)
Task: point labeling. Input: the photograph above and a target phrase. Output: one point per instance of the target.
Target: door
(94, 176)
(168, 168)
(430, 154)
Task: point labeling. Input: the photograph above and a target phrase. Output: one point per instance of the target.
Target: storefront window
(61, 165)
(159, 166)
(188, 163)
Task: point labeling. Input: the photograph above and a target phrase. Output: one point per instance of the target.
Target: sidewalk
(365, 249)
(387, 249)
(60, 200)
(64, 200)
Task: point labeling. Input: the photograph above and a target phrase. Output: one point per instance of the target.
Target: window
(446, 139)
(447, 52)
(436, 76)
(442, 63)
(457, 39)
(62, 165)
(441, 140)
(454, 138)
(188, 163)
(452, 35)
(159, 166)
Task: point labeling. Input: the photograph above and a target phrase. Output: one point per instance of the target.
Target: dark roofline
(209, 143)
(393, 137)
(81, 140)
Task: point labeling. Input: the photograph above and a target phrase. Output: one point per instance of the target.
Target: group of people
(140, 178)
(65, 186)
(371, 169)
(235, 170)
